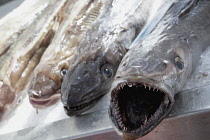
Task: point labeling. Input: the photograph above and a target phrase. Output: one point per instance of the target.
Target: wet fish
(154, 70)
(100, 52)
(16, 70)
(44, 89)
(13, 25)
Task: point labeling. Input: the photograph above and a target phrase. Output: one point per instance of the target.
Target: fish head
(90, 76)
(142, 93)
(44, 88)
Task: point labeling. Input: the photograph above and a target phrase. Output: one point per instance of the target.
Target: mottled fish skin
(154, 70)
(44, 89)
(16, 71)
(100, 52)
(13, 25)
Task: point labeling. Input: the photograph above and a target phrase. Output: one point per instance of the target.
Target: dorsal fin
(188, 7)
(88, 15)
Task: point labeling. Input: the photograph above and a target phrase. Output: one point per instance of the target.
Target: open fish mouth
(77, 109)
(40, 102)
(136, 108)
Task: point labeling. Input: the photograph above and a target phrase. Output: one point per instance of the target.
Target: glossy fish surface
(13, 25)
(154, 70)
(100, 52)
(16, 70)
(44, 89)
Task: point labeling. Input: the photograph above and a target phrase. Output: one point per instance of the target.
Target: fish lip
(145, 128)
(82, 107)
(41, 102)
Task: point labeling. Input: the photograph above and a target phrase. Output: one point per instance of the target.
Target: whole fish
(13, 25)
(44, 89)
(154, 70)
(16, 70)
(100, 52)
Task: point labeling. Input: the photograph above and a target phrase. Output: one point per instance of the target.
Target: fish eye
(63, 72)
(179, 63)
(106, 71)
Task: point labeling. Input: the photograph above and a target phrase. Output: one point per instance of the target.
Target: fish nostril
(117, 77)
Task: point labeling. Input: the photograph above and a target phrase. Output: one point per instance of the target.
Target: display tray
(188, 120)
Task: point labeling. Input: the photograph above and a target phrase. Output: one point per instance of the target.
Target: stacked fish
(85, 48)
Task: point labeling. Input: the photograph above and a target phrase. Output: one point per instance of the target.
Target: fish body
(44, 88)
(28, 49)
(13, 25)
(98, 55)
(156, 69)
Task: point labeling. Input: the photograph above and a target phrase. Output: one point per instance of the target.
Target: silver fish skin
(44, 88)
(13, 25)
(28, 49)
(153, 71)
(100, 52)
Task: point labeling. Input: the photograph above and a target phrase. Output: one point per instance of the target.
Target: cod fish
(98, 55)
(153, 71)
(16, 70)
(44, 89)
(13, 24)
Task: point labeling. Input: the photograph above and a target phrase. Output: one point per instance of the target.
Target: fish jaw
(43, 91)
(138, 105)
(41, 103)
(84, 89)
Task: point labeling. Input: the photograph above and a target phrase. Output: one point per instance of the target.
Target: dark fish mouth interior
(137, 106)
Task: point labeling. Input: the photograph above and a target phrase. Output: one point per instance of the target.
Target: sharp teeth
(166, 100)
(145, 121)
(130, 85)
(120, 121)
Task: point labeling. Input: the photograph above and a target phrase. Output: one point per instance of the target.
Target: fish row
(85, 49)
(145, 78)
(37, 50)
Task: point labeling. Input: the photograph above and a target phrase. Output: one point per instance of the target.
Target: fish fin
(87, 18)
(188, 7)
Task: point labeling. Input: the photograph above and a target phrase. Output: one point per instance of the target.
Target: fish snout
(81, 90)
(43, 86)
(78, 88)
(154, 69)
(43, 91)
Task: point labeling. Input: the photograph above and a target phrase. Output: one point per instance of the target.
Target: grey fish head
(87, 85)
(89, 77)
(147, 79)
(153, 71)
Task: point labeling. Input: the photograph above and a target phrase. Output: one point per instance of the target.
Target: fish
(44, 88)
(100, 52)
(29, 10)
(28, 49)
(155, 69)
